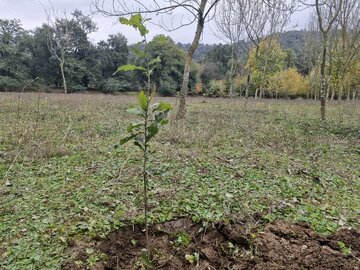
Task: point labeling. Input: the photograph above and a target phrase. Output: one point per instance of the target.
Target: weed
(193, 258)
(182, 239)
(344, 249)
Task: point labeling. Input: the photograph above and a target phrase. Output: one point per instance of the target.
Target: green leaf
(164, 106)
(145, 259)
(130, 67)
(143, 100)
(153, 129)
(132, 126)
(155, 61)
(137, 22)
(139, 145)
(126, 139)
(136, 110)
(163, 122)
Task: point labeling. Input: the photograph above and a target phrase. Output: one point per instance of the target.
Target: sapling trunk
(145, 180)
(153, 117)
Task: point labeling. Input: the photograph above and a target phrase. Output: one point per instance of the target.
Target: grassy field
(62, 179)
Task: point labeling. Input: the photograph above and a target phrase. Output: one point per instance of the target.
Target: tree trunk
(342, 86)
(332, 93)
(247, 84)
(256, 93)
(63, 76)
(249, 75)
(181, 113)
(232, 71)
(330, 72)
(323, 78)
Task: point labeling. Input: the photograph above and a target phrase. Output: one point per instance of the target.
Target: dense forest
(38, 57)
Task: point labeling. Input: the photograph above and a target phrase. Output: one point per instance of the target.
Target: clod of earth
(277, 245)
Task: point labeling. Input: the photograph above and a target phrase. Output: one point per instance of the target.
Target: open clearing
(64, 187)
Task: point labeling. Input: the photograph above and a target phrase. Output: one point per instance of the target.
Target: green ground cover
(63, 179)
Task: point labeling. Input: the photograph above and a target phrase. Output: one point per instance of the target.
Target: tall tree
(229, 29)
(198, 12)
(310, 52)
(68, 42)
(15, 55)
(168, 74)
(261, 19)
(349, 24)
(265, 61)
(43, 65)
(59, 39)
(327, 12)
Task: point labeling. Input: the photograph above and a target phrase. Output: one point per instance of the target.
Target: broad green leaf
(164, 106)
(136, 110)
(153, 129)
(130, 67)
(132, 126)
(137, 22)
(143, 100)
(140, 145)
(163, 122)
(155, 61)
(126, 139)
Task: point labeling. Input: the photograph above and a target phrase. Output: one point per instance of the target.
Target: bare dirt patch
(277, 245)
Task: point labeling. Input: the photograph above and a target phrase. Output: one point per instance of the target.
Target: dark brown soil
(278, 245)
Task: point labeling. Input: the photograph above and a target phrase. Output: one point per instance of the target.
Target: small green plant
(344, 249)
(193, 258)
(182, 239)
(133, 242)
(94, 257)
(143, 262)
(153, 116)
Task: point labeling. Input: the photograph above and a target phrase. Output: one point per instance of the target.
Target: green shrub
(167, 87)
(216, 88)
(9, 84)
(112, 85)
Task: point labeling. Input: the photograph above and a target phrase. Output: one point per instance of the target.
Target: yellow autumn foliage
(288, 83)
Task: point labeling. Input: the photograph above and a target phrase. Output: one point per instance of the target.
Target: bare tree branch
(198, 11)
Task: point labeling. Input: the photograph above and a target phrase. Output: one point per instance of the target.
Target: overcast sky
(32, 14)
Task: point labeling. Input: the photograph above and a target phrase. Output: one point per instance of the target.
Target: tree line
(61, 55)
(259, 62)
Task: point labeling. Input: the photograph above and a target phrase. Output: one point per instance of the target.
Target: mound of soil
(278, 245)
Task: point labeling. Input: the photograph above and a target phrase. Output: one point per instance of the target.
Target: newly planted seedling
(153, 116)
